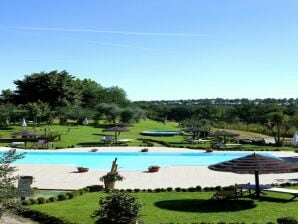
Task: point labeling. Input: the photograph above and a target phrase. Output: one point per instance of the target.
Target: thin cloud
(114, 32)
(94, 42)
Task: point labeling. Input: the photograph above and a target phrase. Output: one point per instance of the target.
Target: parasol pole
(257, 183)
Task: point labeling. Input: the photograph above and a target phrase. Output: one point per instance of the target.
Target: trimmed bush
(169, 189)
(178, 189)
(287, 220)
(33, 201)
(71, 195)
(52, 199)
(26, 202)
(41, 200)
(62, 197)
(191, 189)
(199, 188)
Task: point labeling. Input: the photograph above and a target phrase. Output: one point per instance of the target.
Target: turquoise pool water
(161, 133)
(126, 160)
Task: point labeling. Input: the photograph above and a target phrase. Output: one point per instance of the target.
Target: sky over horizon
(157, 49)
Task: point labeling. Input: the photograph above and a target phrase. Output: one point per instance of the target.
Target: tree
(8, 192)
(92, 93)
(278, 124)
(7, 96)
(115, 95)
(130, 115)
(110, 111)
(118, 208)
(55, 88)
(38, 110)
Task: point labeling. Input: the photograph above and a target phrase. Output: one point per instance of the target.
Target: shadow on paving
(198, 205)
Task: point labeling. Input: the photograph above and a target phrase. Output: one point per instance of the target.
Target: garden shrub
(118, 208)
(178, 189)
(287, 220)
(157, 190)
(41, 200)
(52, 199)
(26, 202)
(33, 201)
(191, 189)
(62, 197)
(169, 189)
(71, 195)
(199, 188)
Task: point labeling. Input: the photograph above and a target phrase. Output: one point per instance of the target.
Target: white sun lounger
(271, 189)
(283, 190)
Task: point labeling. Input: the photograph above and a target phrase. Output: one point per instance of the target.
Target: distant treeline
(222, 102)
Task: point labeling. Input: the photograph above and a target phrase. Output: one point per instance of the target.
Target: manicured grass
(182, 207)
(80, 136)
(83, 136)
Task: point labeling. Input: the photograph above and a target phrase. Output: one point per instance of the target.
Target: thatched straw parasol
(116, 131)
(224, 134)
(255, 164)
(197, 130)
(26, 134)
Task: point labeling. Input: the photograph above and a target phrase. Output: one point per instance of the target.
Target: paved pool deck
(65, 176)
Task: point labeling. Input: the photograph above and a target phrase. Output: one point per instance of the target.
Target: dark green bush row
(60, 197)
(97, 188)
(190, 189)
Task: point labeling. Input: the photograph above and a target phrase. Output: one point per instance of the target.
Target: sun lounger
(283, 190)
(233, 193)
(15, 144)
(269, 188)
(125, 140)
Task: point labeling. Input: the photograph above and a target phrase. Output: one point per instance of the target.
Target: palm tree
(277, 123)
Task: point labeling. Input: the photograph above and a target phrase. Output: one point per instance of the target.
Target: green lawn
(182, 207)
(82, 136)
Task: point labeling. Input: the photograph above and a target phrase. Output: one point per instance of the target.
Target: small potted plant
(153, 169)
(144, 150)
(82, 169)
(110, 179)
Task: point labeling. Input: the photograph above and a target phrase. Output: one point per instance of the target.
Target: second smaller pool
(161, 133)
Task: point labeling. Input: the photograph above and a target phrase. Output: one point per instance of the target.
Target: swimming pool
(127, 160)
(161, 133)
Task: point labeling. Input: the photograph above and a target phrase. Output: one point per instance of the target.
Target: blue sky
(157, 49)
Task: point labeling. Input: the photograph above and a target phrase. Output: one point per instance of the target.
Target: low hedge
(60, 197)
(70, 195)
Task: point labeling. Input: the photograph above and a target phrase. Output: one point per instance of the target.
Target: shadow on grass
(276, 199)
(5, 128)
(91, 144)
(103, 125)
(99, 134)
(198, 205)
